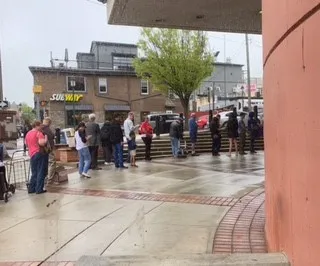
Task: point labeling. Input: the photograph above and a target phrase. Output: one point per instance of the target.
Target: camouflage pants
(51, 168)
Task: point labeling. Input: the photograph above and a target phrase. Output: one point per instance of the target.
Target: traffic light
(43, 103)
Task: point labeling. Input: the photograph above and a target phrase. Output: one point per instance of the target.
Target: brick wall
(122, 90)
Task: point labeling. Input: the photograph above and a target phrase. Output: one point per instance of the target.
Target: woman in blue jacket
(193, 133)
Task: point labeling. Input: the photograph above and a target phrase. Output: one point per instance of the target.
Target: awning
(116, 107)
(212, 15)
(79, 107)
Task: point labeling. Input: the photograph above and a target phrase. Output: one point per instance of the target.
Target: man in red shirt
(34, 141)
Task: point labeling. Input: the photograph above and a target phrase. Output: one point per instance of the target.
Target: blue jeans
(84, 160)
(38, 173)
(118, 155)
(175, 145)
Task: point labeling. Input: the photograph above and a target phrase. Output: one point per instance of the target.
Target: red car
(203, 121)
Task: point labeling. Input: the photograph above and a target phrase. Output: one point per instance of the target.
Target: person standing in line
(242, 134)
(27, 127)
(147, 135)
(219, 140)
(83, 150)
(128, 127)
(253, 128)
(4, 187)
(93, 130)
(106, 143)
(133, 149)
(116, 138)
(232, 131)
(193, 133)
(176, 135)
(50, 157)
(215, 136)
(36, 141)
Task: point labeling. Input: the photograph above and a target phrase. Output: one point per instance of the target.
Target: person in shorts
(132, 149)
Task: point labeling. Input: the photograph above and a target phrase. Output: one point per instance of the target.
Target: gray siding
(225, 77)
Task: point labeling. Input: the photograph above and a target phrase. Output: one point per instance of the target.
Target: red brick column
(292, 128)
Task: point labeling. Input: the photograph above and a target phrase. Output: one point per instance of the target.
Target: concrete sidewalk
(164, 207)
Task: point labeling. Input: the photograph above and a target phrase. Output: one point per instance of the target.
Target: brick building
(104, 82)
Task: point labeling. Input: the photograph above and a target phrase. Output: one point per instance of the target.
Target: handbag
(46, 149)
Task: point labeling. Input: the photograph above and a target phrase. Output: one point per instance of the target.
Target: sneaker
(86, 175)
(107, 164)
(123, 167)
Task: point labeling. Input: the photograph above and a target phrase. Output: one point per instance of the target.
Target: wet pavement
(163, 207)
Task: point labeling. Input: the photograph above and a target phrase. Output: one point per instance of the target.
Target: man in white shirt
(128, 127)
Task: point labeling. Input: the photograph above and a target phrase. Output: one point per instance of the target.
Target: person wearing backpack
(106, 143)
(254, 129)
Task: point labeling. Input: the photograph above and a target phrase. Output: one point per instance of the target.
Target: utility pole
(1, 87)
(248, 72)
(224, 73)
(213, 96)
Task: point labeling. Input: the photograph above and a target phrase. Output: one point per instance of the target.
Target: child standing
(132, 148)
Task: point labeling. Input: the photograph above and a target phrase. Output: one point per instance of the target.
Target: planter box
(68, 155)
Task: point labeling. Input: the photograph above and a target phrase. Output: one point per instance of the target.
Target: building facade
(224, 79)
(291, 42)
(112, 89)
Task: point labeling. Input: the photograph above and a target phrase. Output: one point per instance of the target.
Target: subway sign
(60, 97)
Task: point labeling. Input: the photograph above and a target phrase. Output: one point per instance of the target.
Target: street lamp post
(73, 84)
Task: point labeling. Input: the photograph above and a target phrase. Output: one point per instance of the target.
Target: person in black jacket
(116, 139)
(232, 132)
(215, 135)
(106, 143)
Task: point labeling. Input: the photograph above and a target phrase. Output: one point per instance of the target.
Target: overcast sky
(29, 30)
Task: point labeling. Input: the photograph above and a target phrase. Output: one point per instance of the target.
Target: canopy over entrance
(213, 15)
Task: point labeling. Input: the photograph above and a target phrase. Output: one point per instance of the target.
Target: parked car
(203, 122)
(225, 117)
(165, 121)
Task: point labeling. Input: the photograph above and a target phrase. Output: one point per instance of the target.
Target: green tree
(27, 113)
(175, 61)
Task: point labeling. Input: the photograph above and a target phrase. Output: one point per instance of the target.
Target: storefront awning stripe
(117, 107)
(80, 107)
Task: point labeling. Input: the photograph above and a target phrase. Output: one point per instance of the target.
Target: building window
(144, 87)
(103, 85)
(78, 84)
(123, 62)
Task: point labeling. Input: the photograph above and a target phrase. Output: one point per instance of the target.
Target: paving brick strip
(242, 228)
(182, 198)
(36, 263)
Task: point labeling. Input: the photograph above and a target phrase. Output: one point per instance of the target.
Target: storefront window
(79, 115)
(110, 115)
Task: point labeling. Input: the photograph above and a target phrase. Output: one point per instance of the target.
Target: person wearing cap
(176, 134)
(193, 133)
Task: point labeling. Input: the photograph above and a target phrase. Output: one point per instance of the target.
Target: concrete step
(271, 259)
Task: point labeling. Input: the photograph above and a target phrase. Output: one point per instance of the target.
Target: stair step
(269, 259)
